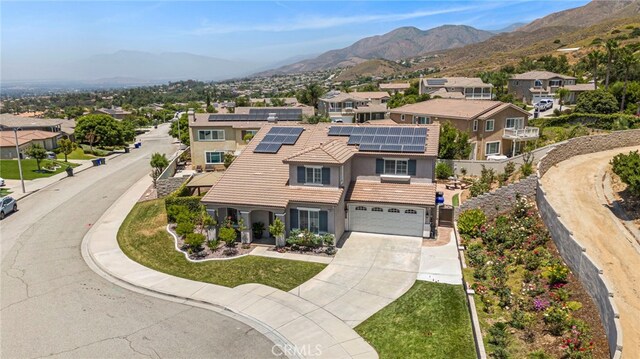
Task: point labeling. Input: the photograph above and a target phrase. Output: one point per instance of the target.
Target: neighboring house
(394, 88)
(471, 88)
(533, 86)
(332, 178)
(575, 91)
(354, 106)
(494, 127)
(57, 125)
(116, 112)
(213, 135)
(46, 139)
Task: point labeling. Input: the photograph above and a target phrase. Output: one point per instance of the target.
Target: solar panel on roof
(391, 148)
(379, 139)
(334, 131)
(405, 140)
(367, 139)
(267, 148)
(393, 139)
(358, 131)
(421, 131)
(395, 131)
(290, 140)
(270, 138)
(369, 147)
(413, 148)
(382, 131)
(418, 140)
(370, 131)
(407, 131)
(436, 82)
(354, 140)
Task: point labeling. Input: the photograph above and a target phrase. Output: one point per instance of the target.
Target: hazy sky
(38, 33)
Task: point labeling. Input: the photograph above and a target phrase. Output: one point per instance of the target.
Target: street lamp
(15, 134)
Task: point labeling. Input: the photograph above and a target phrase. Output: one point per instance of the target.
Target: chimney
(191, 115)
(273, 117)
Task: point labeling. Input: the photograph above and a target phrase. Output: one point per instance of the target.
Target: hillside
(587, 15)
(376, 67)
(398, 44)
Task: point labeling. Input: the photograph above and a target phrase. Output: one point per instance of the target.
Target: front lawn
(431, 320)
(77, 154)
(9, 169)
(144, 239)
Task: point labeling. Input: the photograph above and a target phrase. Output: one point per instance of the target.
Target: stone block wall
(591, 277)
(167, 185)
(501, 200)
(588, 144)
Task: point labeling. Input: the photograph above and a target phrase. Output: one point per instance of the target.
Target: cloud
(318, 23)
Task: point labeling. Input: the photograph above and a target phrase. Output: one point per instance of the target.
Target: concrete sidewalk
(298, 327)
(440, 264)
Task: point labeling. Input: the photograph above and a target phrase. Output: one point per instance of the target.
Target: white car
(548, 103)
(1, 182)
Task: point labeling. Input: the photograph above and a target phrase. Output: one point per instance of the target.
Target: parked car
(548, 103)
(51, 155)
(539, 107)
(7, 205)
(1, 182)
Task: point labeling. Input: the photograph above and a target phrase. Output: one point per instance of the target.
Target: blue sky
(262, 31)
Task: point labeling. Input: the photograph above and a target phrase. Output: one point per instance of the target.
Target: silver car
(7, 205)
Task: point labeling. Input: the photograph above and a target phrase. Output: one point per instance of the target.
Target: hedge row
(615, 121)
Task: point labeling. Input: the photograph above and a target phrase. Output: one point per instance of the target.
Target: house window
(489, 125)
(422, 120)
(475, 125)
(212, 158)
(393, 210)
(555, 83)
(341, 175)
(396, 167)
(516, 123)
(492, 148)
(537, 83)
(309, 220)
(361, 208)
(348, 104)
(210, 135)
(376, 209)
(410, 211)
(401, 117)
(313, 175)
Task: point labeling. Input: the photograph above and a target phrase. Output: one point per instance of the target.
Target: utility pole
(15, 134)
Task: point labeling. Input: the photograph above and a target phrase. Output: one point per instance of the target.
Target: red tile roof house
(333, 178)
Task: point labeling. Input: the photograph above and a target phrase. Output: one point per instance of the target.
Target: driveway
(574, 189)
(369, 272)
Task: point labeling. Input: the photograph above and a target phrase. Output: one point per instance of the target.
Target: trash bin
(69, 170)
(439, 197)
(136, 145)
(96, 162)
(126, 149)
(139, 144)
(103, 161)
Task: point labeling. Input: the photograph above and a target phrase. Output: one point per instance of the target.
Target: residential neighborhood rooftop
(417, 193)
(395, 86)
(540, 75)
(454, 108)
(455, 82)
(7, 138)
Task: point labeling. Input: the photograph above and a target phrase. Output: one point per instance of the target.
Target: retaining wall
(474, 167)
(502, 199)
(166, 186)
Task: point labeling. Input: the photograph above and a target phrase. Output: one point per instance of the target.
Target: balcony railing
(521, 134)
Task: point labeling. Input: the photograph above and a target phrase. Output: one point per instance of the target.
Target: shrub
(305, 239)
(526, 169)
(257, 229)
(184, 228)
(192, 204)
(498, 335)
(556, 319)
(443, 171)
(556, 273)
(478, 187)
(194, 240)
(628, 168)
(470, 221)
(509, 169)
(228, 235)
(539, 354)
(597, 101)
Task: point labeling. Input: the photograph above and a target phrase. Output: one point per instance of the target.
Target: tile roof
(418, 193)
(306, 110)
(11, 121)
(443, 93)
(540, 75)
(379, 107)
(202, 121)
(261, 179)
(395, 86)
(453, 108)
(337, 96)
(7, 138)
(332, 152)
(580, 87)
(456, 82)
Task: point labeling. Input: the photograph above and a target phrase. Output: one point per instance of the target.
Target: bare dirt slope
(574, 190)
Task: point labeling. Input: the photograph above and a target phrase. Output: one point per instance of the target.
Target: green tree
(158, 163)
(66, 146)
(105, 130)
(310, 94)
(73, 112)
(37, 152)
(454, 144)
(597, 101)
(182, 134)
(315, 119)
(612, 48)
(561, 94)
(628, 60)
(627, 166)
(277, 102)
(242, 101)
(593, 60)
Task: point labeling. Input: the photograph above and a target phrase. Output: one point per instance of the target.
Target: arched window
(410, 211)
(376, 209)
(360, 208)
(393, 210)
(537, 83)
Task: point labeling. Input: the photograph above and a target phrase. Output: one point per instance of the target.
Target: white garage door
(406, 221)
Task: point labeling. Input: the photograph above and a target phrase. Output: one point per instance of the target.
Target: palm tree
(561, 94)
(593, 61)
(628, 60)
(612, 49)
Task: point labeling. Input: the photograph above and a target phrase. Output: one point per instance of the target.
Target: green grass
(4, 192)
(144, 239)
(431, 320)
(456, 200)
(77, 154)
(9, 169)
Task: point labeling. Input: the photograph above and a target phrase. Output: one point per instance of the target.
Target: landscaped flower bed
(305, 242)
(529, 303)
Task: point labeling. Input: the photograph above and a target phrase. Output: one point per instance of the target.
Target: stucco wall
(366, 166)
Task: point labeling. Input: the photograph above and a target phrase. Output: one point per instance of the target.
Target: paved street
(53, 305)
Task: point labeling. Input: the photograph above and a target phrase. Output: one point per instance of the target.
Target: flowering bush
(540, 304)
(556, 273)
(556, 319)
(469, 222)
(577, 345)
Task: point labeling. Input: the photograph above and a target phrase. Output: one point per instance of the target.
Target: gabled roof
(337, 96)
(395, 86)
(456, 109)
(11, 121)
(7, 138)
(417, 193)
(332, 152)
(580, 87)
(540, 75)
(455, 82)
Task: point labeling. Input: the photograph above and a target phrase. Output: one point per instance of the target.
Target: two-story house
(495, 128)
(471, 88)
(533, 86)
(332, 178)
(352, 107)
(213, 135)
